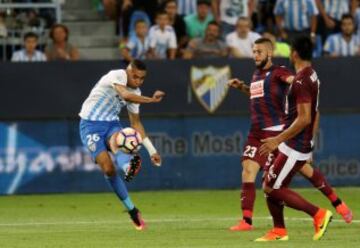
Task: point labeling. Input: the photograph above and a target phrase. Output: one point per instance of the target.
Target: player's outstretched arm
(136, 123)
(131, 97)
(240, 85)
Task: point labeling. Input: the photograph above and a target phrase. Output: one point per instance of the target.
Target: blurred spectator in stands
(29, 52)
(345, 43)
(35, 21)
(137, 46)
(60, 48)
(281, 49)
(294, 18)
(266, 17)
(31, 21)
(208, 47)
(331, 13)
(357, 18)
(227, 12)
(135, 16)
(186, 7)
(177, 22)
(111, 7)
(126, 9)
(163, 42)
(197, 23)
(240, 41)
(3, 29)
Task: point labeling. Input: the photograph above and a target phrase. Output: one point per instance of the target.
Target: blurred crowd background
(169, 29)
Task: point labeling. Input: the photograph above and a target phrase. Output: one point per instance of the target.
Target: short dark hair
(214, 23)
(167, 2)
(160, 12)
(30, 35)
(264, 40)
(304, 47)
(139, 21)
(138, 64)
(199, 2)
(243, 18)
(347, 16)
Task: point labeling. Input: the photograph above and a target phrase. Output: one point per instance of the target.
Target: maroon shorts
(282, 171)
(252, 146)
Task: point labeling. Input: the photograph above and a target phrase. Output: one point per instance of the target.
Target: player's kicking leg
(250, 169)
(319, 181)
(116, 183)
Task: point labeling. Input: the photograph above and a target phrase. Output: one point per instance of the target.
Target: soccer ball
(129, 140)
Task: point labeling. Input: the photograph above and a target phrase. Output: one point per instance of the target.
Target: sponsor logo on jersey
(257, 89)
(209, 84)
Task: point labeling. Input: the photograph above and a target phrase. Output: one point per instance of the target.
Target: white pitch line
(151, 221)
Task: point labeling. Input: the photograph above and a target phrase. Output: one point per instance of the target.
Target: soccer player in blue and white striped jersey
(296, 17)
(100, 125)
(345, 43)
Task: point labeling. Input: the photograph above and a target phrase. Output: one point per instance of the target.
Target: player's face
(260, 55)
(293, 56)
(136, 78)
(30, 44)
(141, 29)
(347, 26)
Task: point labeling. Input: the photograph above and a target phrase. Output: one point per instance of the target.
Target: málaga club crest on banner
(210, 85)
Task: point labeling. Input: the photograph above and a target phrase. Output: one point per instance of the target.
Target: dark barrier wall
(198, 152)
(57, 90)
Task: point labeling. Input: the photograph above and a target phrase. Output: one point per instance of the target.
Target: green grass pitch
(176, 219)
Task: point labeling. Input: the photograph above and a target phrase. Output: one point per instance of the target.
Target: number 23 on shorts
(250, 151)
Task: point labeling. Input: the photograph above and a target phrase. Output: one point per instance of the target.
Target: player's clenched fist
(158, 96)
(236, 83)
(156, 159)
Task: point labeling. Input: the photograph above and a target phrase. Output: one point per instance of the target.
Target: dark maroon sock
(294, 200)
(319, 181)
(276, 209)
(248, 194)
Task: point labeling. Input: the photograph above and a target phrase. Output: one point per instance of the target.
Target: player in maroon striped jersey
(294, 145)
(267, 93)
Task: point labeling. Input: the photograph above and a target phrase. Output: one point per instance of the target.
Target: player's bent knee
(307, 170)
(109, 170)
